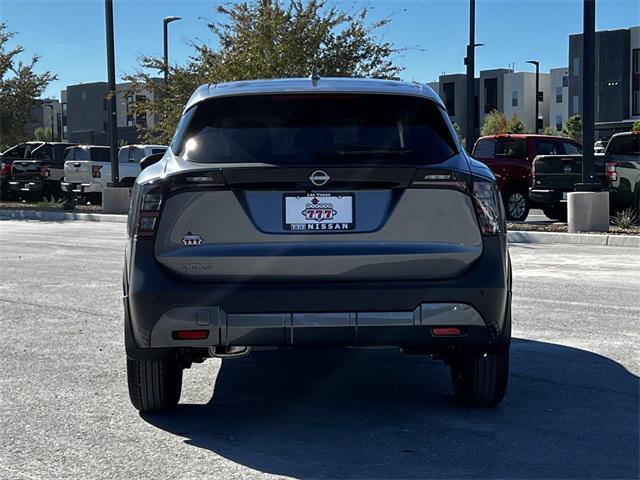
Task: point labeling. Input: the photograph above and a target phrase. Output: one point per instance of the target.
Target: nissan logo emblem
(319, 178)
(568, 169)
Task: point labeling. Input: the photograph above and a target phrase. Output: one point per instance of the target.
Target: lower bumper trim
(337, 328)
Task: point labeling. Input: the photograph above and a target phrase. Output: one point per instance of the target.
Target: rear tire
(154, 385)
(516, 204)
(557, 212)
(480, 379)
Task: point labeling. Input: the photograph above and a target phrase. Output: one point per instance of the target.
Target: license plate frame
(327, 215)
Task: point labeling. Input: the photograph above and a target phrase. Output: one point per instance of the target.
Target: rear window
(294, 129)
(511, 148)
(130, 154)
(624, 145)
(99, 154)
(484, 149)
(155, 151)
(76, 153)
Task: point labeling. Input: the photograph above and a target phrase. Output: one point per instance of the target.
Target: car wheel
(480, 379)
(516, 205)
(556, 212)
(154, 385)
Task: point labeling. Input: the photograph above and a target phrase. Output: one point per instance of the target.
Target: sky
(69, 35)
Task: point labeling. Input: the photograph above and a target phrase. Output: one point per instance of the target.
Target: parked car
(88, 168)
(306, 212)
(599, 147)
(618, 170)
(510, 158)
(41, 172)
(17, 152)
(83, 170)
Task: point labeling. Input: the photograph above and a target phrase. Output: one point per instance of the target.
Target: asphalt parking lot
(571, 411)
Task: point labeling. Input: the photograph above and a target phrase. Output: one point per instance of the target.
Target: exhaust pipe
(229, 351)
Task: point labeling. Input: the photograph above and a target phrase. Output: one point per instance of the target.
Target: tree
(515, 125)
(494, 123)
(549, 131)
(20, 87)
(636, 126)
(269, 39)
(458, 130)
(573, 128)
(43, 134)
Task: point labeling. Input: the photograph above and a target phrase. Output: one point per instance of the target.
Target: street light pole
(471, 67)
(112, 119)
(537, 65)
(165, 33)
(588, 80)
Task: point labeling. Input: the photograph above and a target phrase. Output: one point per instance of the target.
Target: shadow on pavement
(568, 413)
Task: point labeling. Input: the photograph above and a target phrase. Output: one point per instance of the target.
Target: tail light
(5, 168)
(611, 171)
(489, 207)
(146, 203)
(95, 171)
(45, 172)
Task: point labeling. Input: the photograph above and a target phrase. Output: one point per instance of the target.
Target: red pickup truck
(510, 157)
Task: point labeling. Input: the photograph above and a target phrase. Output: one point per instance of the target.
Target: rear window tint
(158, 150)
(485, 148)
(511, 148)
(76, 153)
(292, 129)
(571, 148)
(100, 154)
(130, 154)
(624, 145)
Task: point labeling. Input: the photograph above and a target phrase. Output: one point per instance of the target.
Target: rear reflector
(190, 334)
(446, 331)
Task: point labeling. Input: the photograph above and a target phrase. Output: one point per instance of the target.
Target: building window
(558, 122)
(490, 95)
(576, 67)
(558, 94)
(449, 91)
(565, 81)
(130, 111)
(636, 61)
(514, 98)
(575, 106)
(636, 102)
(141, 115)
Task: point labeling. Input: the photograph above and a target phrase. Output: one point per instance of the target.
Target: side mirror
(150, 160)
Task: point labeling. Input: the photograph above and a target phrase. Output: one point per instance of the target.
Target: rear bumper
(26, 185)
(356, 313)
(546, 196)
(79, 187)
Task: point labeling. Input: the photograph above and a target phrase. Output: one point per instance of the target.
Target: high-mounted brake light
(611, 171)
(95, 171)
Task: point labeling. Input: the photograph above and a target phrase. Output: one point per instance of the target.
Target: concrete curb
(513, 236)
(60, 216)
(602, 240)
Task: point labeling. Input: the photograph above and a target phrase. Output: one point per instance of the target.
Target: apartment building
(558, 100)
(519, 98)
(84, 113)
(617, 79)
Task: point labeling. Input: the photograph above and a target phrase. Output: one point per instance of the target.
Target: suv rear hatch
(25, 170)
(301, 187)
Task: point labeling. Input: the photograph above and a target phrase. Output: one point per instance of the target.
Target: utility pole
(112, 118)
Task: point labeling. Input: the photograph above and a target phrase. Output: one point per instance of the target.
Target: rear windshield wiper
(360, 152)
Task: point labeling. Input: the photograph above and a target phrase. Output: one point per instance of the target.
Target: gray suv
(316, 212)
